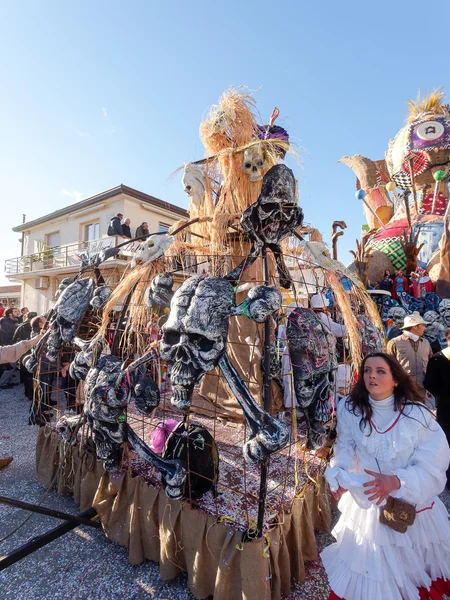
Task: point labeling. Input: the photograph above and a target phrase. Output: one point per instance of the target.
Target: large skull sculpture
(255, 162)
(313, 355)
(194, 183)
(272, 218)
(194, 336)
(397, 314)
(444, 311)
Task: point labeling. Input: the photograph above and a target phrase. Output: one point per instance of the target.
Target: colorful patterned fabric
(430, 235)
(393, 250)
(426, 207)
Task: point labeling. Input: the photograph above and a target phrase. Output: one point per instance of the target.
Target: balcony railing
(70, 256)
(58, 257)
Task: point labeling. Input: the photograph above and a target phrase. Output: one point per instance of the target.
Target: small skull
(397, 314)
(194, 183)
(151, 249)
(193, 339)
(255, 162)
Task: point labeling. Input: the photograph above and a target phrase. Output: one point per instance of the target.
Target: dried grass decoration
(229, 130)
(135, 282)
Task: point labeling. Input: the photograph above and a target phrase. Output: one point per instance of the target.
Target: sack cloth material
(152, 527)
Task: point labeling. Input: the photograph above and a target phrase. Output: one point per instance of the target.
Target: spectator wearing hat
(320, 303)
(412, 350)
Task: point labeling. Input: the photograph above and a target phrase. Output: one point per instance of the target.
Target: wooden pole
(411, 171)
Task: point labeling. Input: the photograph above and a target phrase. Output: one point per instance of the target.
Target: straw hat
(412, 320)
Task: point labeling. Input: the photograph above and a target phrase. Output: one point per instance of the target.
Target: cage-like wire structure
(130, 327)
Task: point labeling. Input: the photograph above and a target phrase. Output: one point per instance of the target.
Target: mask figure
(435, 329)
(109, 388)
(194, 336)
(194, 183)
(159, 293)
(313, 355)
(68, 312)
(371, 338)
(101, 295)
(444, 311)
(273, 217)
(254, 162)
(397, 314)
(151, 248)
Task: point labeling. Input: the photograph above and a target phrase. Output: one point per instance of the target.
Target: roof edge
(120, 189)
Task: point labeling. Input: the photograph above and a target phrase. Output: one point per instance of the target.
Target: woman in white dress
(388, 445)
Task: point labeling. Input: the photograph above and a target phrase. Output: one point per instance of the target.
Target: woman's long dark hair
(405, 392)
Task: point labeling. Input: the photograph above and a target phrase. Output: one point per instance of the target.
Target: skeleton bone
(261, 302)
(174, 470)
(268, 434)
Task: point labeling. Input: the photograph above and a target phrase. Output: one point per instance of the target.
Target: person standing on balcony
(126, 228)
(115, 226)
(142, 230)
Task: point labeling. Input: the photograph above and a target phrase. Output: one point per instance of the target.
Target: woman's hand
(381, 486)
(338, 493)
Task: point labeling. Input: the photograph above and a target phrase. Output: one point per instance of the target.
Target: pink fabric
(161, 433)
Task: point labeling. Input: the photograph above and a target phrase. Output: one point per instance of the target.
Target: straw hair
(432, 101)
(348, 315)
(135, 282)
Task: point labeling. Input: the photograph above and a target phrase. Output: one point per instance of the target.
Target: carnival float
(207, 382)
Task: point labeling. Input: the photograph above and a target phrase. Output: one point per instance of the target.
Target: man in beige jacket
(412, 350)
(10, 354)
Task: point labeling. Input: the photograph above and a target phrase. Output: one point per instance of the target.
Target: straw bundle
(343, 300)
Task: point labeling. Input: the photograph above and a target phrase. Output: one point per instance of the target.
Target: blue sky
(100, 93)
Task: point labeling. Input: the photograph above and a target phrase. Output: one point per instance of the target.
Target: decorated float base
(181, 538)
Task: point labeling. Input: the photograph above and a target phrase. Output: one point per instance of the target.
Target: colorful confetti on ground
(84, 564)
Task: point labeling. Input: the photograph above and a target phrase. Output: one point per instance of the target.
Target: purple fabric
(265, 132)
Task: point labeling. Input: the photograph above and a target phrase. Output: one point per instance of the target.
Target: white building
(10, 295)
(53, 243)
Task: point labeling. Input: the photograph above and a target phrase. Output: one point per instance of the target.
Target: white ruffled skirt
(370, 561)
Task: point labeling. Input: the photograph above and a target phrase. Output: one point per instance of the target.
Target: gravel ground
(83, 564)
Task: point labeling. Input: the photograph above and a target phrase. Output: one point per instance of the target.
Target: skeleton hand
(381, 486)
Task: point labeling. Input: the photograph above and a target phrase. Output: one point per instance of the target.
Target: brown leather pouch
(398, 514)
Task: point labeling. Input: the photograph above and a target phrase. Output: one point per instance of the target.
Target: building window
(163, 226)
(91, 232)
(52, 239)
